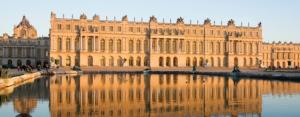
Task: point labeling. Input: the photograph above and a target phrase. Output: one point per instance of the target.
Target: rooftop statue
(180, 20)
(230, 22)
(125, 18)
(207, 21)
(153, 19)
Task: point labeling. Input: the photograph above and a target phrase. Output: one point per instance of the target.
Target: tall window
(138, 46)
(154, 45)
(212, 47)
(131, 61)
(111, 45)
(161, 45)
(59, 27)
(168, 45)
(138, 61)
(102, 45)
(10, 52)
(59, 44)
(194, 47)
(111, 61)
(218, 47)
(146, 45)
(188, 49)
(130, 46)
(19, 52)
(201, 48)
(68, 44)
(250, 48)
(90, 44)
(245, 48)
(175, 46)
(119, 46)
(28, 52)
(96, 44)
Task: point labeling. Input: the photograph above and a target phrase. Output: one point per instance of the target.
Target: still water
(156, 95)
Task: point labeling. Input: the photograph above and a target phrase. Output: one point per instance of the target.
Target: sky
(280, 19)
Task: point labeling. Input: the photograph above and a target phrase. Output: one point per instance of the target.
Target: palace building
(113, 43)
(24, 47)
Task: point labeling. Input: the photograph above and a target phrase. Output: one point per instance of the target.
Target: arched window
(195, 61)
(119, 45)
(175, 61)
(68, 61)
(59, 62)
(161, 61)
(131, 46)
(111, 45)
(138, 61)
(131, 61)
(111, 61)
(146, 61)
(28, 62)
(103, 61)
(168, 62)
(9, 63)
(90, 61)
(236, 61)
(102, 45)
(188, 61)
(19, 63)
(201, 62)
(59, 44)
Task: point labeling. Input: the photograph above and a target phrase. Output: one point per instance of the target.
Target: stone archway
(195, 61)
(236, 61)
(161, 61)
(175, 61)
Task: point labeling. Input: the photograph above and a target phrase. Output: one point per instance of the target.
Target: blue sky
(280, 19)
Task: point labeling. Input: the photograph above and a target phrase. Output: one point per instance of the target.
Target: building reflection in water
(137, 95)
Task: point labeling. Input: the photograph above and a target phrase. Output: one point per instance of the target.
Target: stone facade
(281, 55)
(24, 47)
(95, 42)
